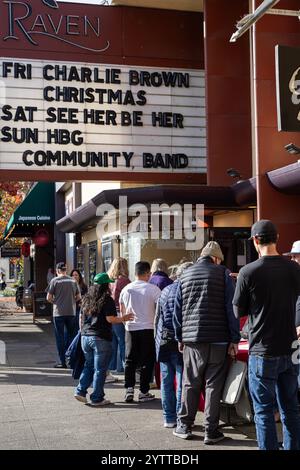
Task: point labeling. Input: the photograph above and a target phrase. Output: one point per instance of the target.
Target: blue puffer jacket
(164, 319)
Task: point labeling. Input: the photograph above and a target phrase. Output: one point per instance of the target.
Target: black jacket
(203, 305)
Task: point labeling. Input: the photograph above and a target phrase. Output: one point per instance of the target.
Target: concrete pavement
(38, 410)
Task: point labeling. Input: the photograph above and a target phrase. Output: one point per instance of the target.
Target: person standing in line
(50, 275)
(76, 274)
(63, 292)
(207, 330)
(159, 274)
(167, 353)
(118, 271)
(140, 298)
(267, 290)
(2, 281)
(159, 278)
(295, 256)
(98, 315)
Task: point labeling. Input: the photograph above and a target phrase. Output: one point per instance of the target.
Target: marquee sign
(84, 117)
(80, 94)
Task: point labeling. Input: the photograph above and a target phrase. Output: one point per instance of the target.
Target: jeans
(171, 399)
(117, 361)
(119, 331)
(272, 378)
(97, 354)
(65, 331)
(114, 352)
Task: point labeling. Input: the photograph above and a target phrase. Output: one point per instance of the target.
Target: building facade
(155, 98)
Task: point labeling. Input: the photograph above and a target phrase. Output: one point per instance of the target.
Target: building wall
(234, 219)
(282, 209)
(228, 101)
(43, 260)
(90, 190)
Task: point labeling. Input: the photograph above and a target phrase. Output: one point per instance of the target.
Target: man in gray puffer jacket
(207, 330)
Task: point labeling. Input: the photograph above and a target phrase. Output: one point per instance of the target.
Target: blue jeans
(65, 331)
(171, 399)
(118, 348)
(272, 378)
(97, 354)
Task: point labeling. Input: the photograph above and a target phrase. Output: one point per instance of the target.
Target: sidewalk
(38, 410)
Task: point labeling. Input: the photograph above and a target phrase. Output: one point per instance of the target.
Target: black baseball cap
(61, 266)
(262, 228)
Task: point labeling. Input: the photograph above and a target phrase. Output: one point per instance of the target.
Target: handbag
(234, 382)
(168, 342)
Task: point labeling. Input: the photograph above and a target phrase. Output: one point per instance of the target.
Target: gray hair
(182, 267)
(159, 264)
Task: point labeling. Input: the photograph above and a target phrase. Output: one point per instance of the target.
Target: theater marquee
(81, 117)
(92, 115)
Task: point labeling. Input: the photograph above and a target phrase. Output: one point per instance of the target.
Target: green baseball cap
(102, 278)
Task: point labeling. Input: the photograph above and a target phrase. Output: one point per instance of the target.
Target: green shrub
(8, 292)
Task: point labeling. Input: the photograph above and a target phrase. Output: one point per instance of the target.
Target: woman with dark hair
(98, 313)
(76, 274)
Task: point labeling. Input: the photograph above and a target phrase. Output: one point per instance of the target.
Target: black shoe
(213, 438)
(60, 366)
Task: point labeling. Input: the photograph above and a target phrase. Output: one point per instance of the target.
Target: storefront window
(80, 260)
(131, 250)
(135, 248)
(92, 261)
(107, 254)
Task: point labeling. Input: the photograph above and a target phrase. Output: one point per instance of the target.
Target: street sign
(10, 252)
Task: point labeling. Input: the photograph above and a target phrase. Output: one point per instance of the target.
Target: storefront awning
(38, 208)
(286, 179)
(218, 197)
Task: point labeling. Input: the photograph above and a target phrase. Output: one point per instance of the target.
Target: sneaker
(80, 398)
(213, 438)
(183, 432)
(110, 378)
(146, 397)
(169, 425)
(100, 403)
(60, 366)
(129, 395)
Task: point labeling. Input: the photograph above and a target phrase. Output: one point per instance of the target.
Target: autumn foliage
(11, 195)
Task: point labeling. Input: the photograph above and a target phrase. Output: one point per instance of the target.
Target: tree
(11, 196)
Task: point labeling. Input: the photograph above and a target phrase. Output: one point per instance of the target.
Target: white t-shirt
(140, 297)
